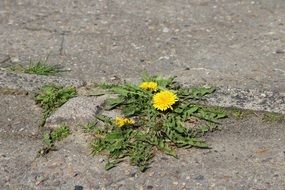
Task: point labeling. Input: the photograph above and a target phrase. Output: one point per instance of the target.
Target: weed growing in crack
(39, 68)
(60, 133)
(90, 127)
(272, 117)
(52, 97)
(49, 138)
(157, 115)
(42, 68)
(237, 113)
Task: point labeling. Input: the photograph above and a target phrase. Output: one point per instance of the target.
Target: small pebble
(101, 160)
(199, 177)
(78, 187)
(151, 174)
(165, 30)
(15, 59)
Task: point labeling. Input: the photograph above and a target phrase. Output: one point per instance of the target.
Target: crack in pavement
(62, 44)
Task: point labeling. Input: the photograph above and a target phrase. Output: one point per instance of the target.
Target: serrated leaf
(104, 119)
(47, 140)
(111, 164)
(114, 136)
(221, 115)
(163, 130)
(199, 92)
(96, 94)
(163, 146)
(189, 111)
(113, 103)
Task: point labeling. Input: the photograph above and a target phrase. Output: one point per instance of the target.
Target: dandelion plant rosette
(155, 116)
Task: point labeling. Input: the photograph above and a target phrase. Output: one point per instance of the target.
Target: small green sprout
(272, 117)
(42, 68)
(52, 97)
(49, 138)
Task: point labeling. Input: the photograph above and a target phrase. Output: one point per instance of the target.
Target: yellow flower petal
(129, 121)
(120, 121)
(164, 100)
(152, 86)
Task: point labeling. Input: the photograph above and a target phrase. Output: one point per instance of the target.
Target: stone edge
(251, 99)
(31, 82)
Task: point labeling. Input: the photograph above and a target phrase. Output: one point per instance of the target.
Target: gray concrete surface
(77, 111)
(251, 99)
(20, 138)
(225, 43)
(246, 154)
(221, 42)
(19, 115)
(32, 83)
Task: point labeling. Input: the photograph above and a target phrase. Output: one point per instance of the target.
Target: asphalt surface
(221, 42)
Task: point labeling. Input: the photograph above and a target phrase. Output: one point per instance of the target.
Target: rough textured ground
(29, 83)
(221, 42)
(247, 153)
(20, 138)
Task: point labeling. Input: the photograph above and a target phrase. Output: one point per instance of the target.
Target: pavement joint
(251, 99)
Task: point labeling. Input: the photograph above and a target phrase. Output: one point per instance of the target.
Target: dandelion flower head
(164, 100)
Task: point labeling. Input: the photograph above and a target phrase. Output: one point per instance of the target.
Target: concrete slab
(232, 43)
(20, 139)
(19, 115)
(245, 154)
(32, 83)
(76, 112)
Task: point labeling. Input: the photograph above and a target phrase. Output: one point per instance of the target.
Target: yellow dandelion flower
(129, 121)
(152, 86)
(120, 121)
(164, 100)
